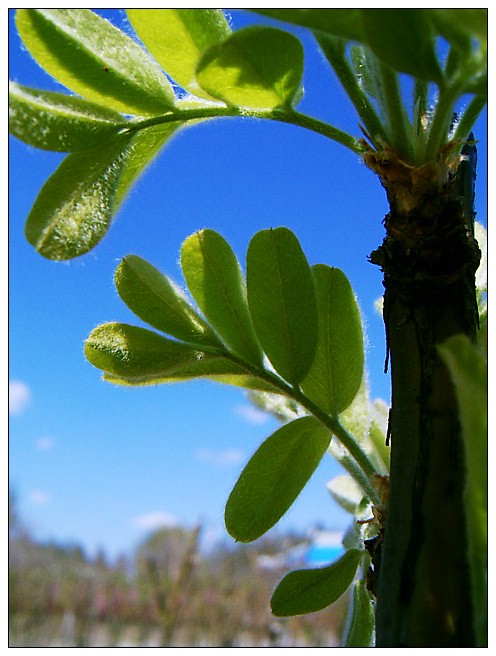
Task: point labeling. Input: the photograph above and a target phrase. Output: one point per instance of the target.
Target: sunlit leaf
(258, 67)
(309, 590)
(154, 298)
(214, 279)
(58, 122)
(337, 370)
(360, 631)
(90, 56)
(143, 148)
(76, 205)
(134, 352)
(274, 477)
(282, 303)
(178, 37)
(215, 369)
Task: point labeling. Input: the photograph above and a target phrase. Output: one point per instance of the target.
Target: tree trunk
(429, 258)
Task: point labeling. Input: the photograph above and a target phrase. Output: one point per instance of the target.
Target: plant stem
(182, 115)
(360, 457)
(420, 95)
(439, 127)
(395, 112)
(320, 127)
(423, 597)
(283, 115)
(333, 49)
(364, 482)
(468, 118)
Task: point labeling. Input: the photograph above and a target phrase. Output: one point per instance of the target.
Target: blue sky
(102, 465)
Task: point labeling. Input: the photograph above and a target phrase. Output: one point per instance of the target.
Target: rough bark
(429, 258)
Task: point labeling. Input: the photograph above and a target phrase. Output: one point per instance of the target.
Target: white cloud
(155, 520)
(19, 397)
(251, 414)
(39, 497)
(45, 443)
(221, 458)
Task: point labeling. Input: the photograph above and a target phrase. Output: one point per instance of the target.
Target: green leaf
(214, 278)
(309, 590)
(461, 26)
(143, 148)
(75, 207)
(468, 368)
(281, 297)
(178, 37)
(379, 413)
(277, 404)
(214, 368)
(337, 370)
(274, 477)
(203, 370)
(356, 418)
(134, 352)
(403, 39)
(158, 301)
(95, 59)
(346, 492)
(367, 72)
(480, 234)
(258, 68)
(361, 628)
(339, 22)
(56, 121)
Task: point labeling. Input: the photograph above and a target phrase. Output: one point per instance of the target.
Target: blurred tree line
(168, 593)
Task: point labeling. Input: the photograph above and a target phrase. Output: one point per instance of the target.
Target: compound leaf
(178, 37)
(214, 278)
(133, 352)
(309, 590)
(257, 67)
(58, 122)
(93, 58)
(274, 477)
(337, 370)
(281, 297)
(154, 298)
